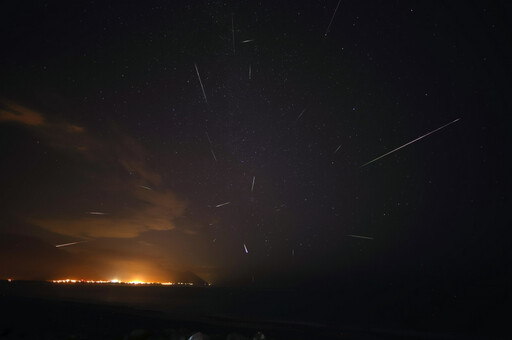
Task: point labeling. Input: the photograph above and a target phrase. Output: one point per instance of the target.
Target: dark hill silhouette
(189, 277)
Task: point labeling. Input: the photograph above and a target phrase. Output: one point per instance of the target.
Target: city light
(118, 282)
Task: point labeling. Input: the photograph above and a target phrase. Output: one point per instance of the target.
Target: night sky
(106, 136)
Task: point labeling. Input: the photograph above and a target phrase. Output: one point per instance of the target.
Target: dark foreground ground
(42, 310)
(29, 318)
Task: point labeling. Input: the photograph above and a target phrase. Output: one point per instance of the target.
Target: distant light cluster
(115, 281)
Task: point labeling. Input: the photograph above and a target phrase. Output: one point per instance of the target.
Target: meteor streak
(246, 251)
(201, 83)
(359, 236)
(327, 30)
(337, 148)
(247, 41)
(300, 114)
(209, 140)
(211, 146)
(222, 204)
(403, 146)
(97, 213)
(68, 244)
(252, 186)
(145, 187)
(233, 33)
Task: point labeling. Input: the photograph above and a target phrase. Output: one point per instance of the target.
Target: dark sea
(261, 304)
(395, 311)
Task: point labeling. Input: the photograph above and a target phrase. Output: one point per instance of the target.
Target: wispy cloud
(17, 113)
(118, 165)
(151, 211)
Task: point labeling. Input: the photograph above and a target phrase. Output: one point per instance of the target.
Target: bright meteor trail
(403, 146)
(68, 244)
(201, 83)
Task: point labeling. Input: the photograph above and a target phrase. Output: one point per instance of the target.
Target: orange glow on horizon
(133, 282)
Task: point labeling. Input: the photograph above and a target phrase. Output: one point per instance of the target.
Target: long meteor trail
(68, 244)
(200, 82)
(403, 146)
(327, 30)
